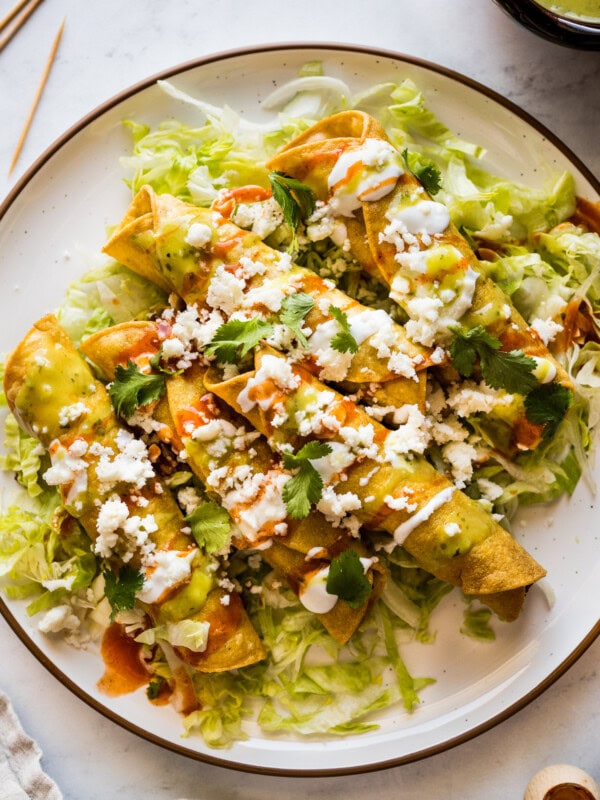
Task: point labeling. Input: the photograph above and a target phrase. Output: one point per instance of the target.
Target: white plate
(69, 197)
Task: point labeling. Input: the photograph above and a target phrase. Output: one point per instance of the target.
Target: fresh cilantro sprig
(132, 389)
(306, 486)
(512, 371)
(347, 579)
(547, 405)
(296, 199)
(210, 525)
(121, 589)
(343, 341)
(294, 309)
(425, 171)
(236, 338)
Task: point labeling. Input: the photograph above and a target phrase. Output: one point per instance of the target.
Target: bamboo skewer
(19, 21)
(12, 13)
(37, 97)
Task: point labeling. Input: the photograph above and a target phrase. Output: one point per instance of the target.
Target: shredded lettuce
(23, 455)
(476, 623)
(188, 633)
(40, 557)
(105, 296)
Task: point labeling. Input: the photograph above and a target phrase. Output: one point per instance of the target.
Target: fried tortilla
(55, 397)
(218, 442)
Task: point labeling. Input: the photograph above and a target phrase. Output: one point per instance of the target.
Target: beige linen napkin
(21, 776)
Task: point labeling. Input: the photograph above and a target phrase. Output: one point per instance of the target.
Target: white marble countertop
(109, 45)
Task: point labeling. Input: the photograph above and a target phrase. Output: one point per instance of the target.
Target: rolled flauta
(370, 473)
(210, 262)
(236, 465)
(100, 468)
(405, 239)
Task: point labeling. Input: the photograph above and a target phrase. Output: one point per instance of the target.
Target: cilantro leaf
(234, 339)
(306, 486)
(309, 452)
(154, 688)
(347, 579)
(132, 388)
(466, 345)
(120, 590)
(512, 371)
(343, 341)
(424, 171)
(547, 405)
(210, 525)
(293, 310)
(296, 199)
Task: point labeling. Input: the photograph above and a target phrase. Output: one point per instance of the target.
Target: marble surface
(110, 45)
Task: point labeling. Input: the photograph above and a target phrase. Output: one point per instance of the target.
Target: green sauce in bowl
(585, 10)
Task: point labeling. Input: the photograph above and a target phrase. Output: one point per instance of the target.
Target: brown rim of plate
(4, 609)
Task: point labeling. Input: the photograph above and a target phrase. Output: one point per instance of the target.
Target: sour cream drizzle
(426, 216)
(168, 568)
(364, 173)
(422, 515)
(314, 595)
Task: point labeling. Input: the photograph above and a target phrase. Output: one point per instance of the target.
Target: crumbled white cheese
(72, 413)
(190, 331)
(314, 418)
(335, 506)
(489, 490)
(226, 291)
(473, 398)
(129, 465)
(334, 464)
(68, 467)
(452, 528)
(448, 429)
(120, 533)
(262, 218)
(388, 344)
(59, 618)
(412, 436)
(334, 365)
(272, 368)
(360, 441)
(199, 235)
(460, 456)
(269, 294)
(399, 503)
(189, 499)
(546, 329)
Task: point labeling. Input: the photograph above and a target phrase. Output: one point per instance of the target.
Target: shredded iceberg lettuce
(105, 296)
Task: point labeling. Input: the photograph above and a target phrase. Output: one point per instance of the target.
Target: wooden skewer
(37, 97)
(12, 13)
(21, 20)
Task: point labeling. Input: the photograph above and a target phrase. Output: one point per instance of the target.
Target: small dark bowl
(560, 29)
